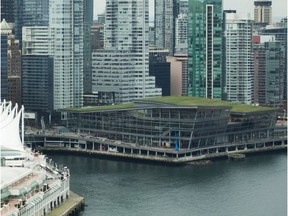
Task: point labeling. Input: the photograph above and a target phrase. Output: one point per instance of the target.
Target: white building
(164, 24)
(35, 40)
(121, 70)
(239, 59)
(263, 11)
(181, 27)
(66, 46)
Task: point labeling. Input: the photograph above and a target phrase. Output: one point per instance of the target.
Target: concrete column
(140, 151)
(131, 151)
(93, 146)
(156, 153)
(100, 146)
(147, 152)
(124, 150)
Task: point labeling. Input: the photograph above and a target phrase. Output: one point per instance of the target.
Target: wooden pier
(71, 207)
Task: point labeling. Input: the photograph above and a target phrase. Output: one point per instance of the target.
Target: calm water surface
(256, 186)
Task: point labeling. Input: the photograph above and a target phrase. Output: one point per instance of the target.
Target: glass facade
(30, 13)
(166, 125)
(87, 61)
(37, 83)
(205, 48)
(4, 69)
(269, 73)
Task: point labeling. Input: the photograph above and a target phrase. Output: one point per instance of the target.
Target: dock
(236, 156)
(71, 207)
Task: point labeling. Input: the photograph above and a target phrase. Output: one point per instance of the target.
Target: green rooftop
(196, 101)
(95, 108)
(181, 101)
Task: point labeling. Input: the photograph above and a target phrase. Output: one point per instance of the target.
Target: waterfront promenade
(72, 206)
(85, 144)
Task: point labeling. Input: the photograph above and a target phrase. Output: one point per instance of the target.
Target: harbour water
(256, 186)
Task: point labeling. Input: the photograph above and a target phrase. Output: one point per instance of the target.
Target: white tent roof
(9, 127)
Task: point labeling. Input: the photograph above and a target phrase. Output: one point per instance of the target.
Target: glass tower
(205, 48)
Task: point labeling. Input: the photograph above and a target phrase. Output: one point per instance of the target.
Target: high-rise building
(181, 34)
(66, 46)
(160, 69)
(205, 48)
(101, 18)
(97, 32)
(178, 67)
(5, 30)
(37, 70)
(269, 61)
(30, 13)
(7, 11)
(121, 70)
(14, 70)
(164, 24)
(224, 95)
(279, 30)
(239, 59)
(263, 11)
(152, 36)
(182, 7)
(87, 61)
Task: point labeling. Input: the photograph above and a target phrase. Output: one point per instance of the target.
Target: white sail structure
(9, 127)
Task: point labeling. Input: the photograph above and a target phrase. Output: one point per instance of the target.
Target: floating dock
(236, 156)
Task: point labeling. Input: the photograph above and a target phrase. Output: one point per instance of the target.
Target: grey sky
(243, 7)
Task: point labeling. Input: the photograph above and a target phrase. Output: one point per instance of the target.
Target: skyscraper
(205, 48)
(239, 59)
(30, 13)
(66, 46)
(88, 22)
(181, 34)
(269, 70)
(280, 32)
(14, 70)
(164, 24)
(262, 12)
(7, 10)
(37, 70)
(120, 71)
(5, 31)
(160, 69)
